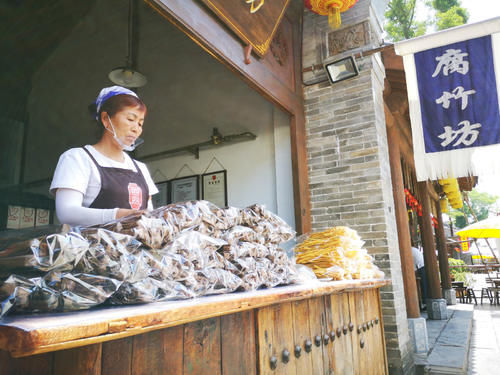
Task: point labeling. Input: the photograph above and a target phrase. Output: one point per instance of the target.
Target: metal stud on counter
(317, 340)
(376, 320)
(297, 351)
(332, 335)
(362, 343)
(351, 326)
(339, 332)
(273, 362)
(359, 328)
(326, 339)
(285, 356)
(344, 330)
(364, 327)
(308, 346)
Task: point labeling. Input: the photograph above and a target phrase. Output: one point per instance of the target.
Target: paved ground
(468, 342)
(484, 352)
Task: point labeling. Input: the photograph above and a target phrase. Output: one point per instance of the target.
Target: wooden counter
(237, 333)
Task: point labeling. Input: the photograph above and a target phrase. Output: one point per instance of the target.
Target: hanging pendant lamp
(126, 76)
(330, 8)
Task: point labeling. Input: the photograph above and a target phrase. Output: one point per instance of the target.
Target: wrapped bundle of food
(83, 291)
(274, 228)
(110, 254)
(216, 280)
(58, 251)
(197, 249)
(150, 290)
(239, 234)
(337, 253)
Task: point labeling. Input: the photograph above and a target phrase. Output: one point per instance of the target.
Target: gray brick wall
(348, 162)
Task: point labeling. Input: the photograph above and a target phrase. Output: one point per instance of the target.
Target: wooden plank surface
(202, 349)
(378, 332)
(238, 344)
(274, 335)
(317, 324)
(357, 314)
(302, 333)
(330, 331)
(148, 354)
(342, 356)
(80, 361)
(117, 357)
(40, 364)
(31, 334)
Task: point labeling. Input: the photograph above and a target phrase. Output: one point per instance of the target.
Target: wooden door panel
(238, 344)
(302, 335)
(274, 336)
(202, 350)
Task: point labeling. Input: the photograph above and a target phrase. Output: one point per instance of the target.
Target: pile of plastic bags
(174, 252)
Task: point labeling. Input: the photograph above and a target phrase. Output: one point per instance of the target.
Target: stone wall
(348, 159)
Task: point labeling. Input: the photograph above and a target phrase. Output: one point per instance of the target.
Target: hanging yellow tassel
(334, 17)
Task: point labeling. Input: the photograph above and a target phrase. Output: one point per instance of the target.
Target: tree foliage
(454, 16)
(481, 203)
(401, 23)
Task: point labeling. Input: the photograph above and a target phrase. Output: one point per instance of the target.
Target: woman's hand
(122, 212)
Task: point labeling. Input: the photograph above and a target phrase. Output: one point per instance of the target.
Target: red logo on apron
(134, 196)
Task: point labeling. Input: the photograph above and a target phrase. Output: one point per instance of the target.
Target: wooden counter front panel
(284, 326)
(240, 343)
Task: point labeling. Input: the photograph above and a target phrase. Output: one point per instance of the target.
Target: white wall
(188, 93)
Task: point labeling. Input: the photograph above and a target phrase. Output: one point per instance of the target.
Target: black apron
(121, 188)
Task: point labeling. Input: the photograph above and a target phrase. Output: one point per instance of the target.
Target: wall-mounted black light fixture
(342, 69)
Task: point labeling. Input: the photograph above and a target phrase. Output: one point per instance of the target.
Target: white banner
(453, 99)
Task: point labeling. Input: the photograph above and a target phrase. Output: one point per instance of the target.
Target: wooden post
(430, 260)
(444, 267)
(407, 267)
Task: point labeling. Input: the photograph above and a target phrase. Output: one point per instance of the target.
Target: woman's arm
(70, 211)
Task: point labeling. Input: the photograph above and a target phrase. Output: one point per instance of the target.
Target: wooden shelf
(24, 335)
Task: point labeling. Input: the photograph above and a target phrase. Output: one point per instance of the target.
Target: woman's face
(127, 123)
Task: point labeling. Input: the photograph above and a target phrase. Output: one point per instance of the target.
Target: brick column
(348, 157)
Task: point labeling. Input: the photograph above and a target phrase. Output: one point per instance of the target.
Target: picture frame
(184, 189)
(161, 198)
(214, 187)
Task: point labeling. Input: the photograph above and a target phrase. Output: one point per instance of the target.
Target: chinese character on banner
(458, 95)
(453, 97)
(465, 244)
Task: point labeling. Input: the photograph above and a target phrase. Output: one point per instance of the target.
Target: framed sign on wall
(161, 199)
(184, 189)
(214, 187)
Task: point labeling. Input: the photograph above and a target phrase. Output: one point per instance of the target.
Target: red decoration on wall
(412, 202)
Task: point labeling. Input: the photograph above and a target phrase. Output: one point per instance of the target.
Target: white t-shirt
(418, 258)
(76, 170)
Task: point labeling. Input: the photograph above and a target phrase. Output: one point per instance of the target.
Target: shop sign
(254, 21)
(465, 244)
(453, 100)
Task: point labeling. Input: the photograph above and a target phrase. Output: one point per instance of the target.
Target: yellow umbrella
(487, 228)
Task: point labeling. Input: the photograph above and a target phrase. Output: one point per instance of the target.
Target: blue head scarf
(107, 93)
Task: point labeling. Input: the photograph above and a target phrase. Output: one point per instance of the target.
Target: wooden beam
(444, 266)
(430, 259)
(407, 267)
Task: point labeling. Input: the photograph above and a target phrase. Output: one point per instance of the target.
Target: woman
(100, 183)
